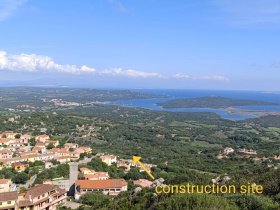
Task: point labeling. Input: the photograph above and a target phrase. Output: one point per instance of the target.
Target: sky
(180, 44)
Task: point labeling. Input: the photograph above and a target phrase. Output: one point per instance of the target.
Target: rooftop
(40, 189)
(8, 196)
(101, 184)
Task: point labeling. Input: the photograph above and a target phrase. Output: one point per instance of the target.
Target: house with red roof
(107, 187)
(43, 196)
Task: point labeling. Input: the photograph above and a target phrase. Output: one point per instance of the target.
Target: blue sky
(206, 44)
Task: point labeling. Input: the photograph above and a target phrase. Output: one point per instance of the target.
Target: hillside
(211, 102)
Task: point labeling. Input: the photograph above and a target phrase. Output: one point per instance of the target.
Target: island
(211, 102)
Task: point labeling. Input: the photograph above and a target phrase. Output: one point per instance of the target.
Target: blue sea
(176, 94)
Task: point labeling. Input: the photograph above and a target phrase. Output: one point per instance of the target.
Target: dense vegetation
(184, 146)
(210, 102)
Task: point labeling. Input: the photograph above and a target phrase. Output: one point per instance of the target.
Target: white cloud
(187, 76)
(181, 76)
(131, 73)
(215, 78)
(35, 63)
(41, 63)
(8, 7)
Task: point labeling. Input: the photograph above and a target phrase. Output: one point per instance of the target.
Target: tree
(62, 170)
(17, 136)
(22, 190)
(95, 199)
(36, 163)
(20, 178)
(82, 156)
(50, 146)
(32, 141)
(135, 174)
(251, 202)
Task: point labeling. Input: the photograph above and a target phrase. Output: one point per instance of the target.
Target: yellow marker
(136, 160)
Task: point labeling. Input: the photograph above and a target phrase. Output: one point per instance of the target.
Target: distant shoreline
(257, 113)
(214, 102)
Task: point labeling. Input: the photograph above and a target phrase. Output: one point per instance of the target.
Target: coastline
(256, 113)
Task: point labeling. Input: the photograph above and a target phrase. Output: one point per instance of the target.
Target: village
(227, 151)
(17, 154)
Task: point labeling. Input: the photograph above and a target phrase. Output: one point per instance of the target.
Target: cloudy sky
(207, 44)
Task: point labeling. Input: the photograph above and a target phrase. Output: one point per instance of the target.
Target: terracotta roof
(27, 153)
(4, 140)
(96, 175)
(25, 202)
(101, 184)
(36, 148)
(4, 181)
(85, 169)
(8, 196)
(59, 150)
(6, 151)
(63, 157)
(39, 190)
(20, 164)
(143, 182)
(40, 144)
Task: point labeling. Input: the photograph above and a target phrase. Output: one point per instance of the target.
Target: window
(9, 202)
(0, 203)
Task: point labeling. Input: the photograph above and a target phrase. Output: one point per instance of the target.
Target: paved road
(84, 161)
(29, 183)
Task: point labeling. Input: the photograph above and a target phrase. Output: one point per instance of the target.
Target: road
(32, 179)
(29, 183)
(84, 161)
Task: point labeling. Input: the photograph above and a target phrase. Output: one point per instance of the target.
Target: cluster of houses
(125, 164)
(101, 181)
(42, 196)
(243, 151)
(228, 151)
(16, 152)
(60, 102)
